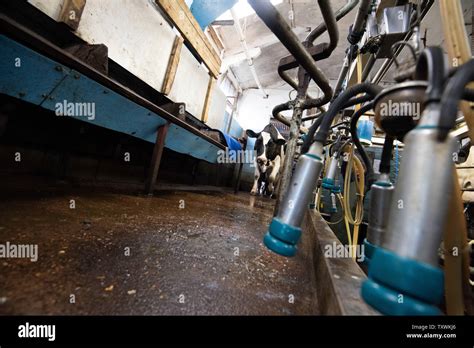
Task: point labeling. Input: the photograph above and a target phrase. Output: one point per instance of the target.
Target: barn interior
(236, 157)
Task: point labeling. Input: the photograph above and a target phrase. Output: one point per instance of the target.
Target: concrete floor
(176, 255)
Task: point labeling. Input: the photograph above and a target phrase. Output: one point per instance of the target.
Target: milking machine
(406, 221)
(404, 277)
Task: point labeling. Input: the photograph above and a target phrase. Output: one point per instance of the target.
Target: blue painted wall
(32, 77)
(206, 11)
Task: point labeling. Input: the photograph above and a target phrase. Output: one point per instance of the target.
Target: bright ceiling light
(243, 9)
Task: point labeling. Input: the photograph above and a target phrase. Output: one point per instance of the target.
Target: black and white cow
(269, 159)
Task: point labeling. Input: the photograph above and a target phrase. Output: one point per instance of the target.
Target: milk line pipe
(277, 24)
(351, 54)
(357, 29)
(331, 25)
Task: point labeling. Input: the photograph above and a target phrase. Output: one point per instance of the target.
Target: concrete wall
(217, 109)
(140, 40)
(254, 111)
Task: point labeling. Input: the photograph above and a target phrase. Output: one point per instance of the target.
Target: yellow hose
(354, 165)
(359, 178)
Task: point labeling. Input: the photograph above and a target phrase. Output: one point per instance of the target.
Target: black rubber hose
(277, 24)
(341, 148)
(339, 103)
(313, 128)
(357, 143)
(279, 108)
(386, 155)
(357, 29)
(331, 24)
(320, 29)
(308, 140)
(451, 97)
(358, 100)
(431, 66)
(468, 95)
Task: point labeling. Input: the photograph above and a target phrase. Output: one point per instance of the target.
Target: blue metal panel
(180, 140)
(41, 76)
(112, 110)
(235, 129)
(25, 74)
(206, 11)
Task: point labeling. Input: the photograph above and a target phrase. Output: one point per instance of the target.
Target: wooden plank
(71, 13)
(172, 65)
(156, 158)
(207, 101)
(189, 28)
(215, 37)
(458, 47)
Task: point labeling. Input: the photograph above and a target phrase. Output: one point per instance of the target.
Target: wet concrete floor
(177, 253)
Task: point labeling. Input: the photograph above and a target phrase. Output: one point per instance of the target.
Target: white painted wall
(254, 111)
(137, 36)
(190, 83)
(140, 40)
(51, 7)
(216, 110)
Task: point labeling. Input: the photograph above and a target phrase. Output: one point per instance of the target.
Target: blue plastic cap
(328, 183)
(278, 246)
(390, 302)
(407, 276)
(369, 249)
(284, 232)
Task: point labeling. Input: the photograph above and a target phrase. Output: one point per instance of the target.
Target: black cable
(431, 66)
(468, 95)
(358, 100)
(369, 88)
(386, 155)
(357, 143)
(308, 140)
(343, 146)
(451, 97)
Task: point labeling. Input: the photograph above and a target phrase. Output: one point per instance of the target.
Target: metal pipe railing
(320, 29)
(277, 24)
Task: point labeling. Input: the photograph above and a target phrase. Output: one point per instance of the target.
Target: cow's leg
(255, 187)
(273, 176)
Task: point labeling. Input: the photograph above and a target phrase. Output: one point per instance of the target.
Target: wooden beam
(172, 65)
(207, 101)
(215, 37)
(156, 158)
(189, 28)
(458, 47)
(71, 12)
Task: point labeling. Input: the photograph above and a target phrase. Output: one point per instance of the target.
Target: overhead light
(243, 9)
